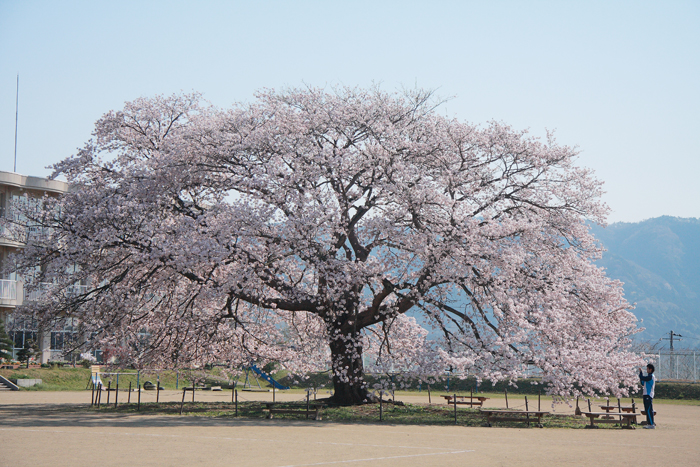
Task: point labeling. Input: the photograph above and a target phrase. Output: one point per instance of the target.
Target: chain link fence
(677, 365)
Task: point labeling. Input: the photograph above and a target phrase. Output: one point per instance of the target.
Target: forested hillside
(659, 262)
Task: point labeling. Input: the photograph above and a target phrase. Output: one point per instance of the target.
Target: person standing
(648, 384)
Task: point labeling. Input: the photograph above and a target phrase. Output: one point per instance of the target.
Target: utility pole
(671, 334)
(672, 365)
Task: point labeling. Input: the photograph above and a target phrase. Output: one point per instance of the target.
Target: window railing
(8, 289)
(72, 291)
(36, 293)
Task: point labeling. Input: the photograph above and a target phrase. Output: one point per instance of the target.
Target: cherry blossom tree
(300, 227)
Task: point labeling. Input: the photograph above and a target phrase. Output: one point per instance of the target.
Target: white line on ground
(378, 458)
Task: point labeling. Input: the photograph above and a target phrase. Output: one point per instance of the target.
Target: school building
(16, 188)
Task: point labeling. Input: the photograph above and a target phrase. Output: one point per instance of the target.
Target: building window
(24, 338)
(23, 332)
(67, 337)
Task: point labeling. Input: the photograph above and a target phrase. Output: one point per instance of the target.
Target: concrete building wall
(12, 294)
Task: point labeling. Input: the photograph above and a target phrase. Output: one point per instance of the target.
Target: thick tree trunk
(349, 387)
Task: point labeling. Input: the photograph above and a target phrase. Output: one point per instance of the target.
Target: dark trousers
(649, 408)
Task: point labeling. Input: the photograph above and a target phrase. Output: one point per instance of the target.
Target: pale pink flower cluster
(302, 227)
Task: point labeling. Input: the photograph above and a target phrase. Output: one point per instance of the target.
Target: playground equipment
(96, 376)
(257, 372)
(150, 386)
(111, 377)
(95, 380)
(110, 381)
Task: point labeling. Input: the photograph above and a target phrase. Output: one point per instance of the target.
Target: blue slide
(267, 377)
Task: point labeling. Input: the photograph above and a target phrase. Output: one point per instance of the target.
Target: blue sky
(617, 79)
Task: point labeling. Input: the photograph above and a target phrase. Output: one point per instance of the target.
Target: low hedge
(680, 391)
(531, 386)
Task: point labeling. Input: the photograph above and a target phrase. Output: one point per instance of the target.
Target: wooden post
(235, 391)
(380, 405)
(527, 410)
(138, 388)
(116, 393)
(92, 397)
(158, 389)
(455, 404)
(505, 390)
(99, 395)
(429, 401)
(193, 390)
(308, 396)
(182, 403)
(589, 405)
(109, 386)
(129, 398)
(539, 398)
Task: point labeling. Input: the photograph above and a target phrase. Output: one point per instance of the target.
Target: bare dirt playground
(37, 429)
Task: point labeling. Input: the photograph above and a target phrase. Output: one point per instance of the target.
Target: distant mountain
(659, 262)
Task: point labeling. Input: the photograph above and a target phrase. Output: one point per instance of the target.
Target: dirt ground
(36, 429)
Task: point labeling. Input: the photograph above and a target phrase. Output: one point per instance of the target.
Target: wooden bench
(625, 419)
(624, 408)
(312, 409)
(473, 400)
(513, 416)
(608, 407)
(612, 409)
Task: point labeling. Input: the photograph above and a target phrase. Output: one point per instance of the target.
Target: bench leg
(592, 425)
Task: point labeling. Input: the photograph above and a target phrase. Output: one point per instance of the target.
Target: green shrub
(681, 391)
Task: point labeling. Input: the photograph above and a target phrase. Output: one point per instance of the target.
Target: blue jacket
(648, 384)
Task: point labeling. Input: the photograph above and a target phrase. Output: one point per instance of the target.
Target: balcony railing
(36, 293)
(71, 291)
(8, 289)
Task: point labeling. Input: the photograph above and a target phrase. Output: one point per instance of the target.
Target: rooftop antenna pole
(16, 116)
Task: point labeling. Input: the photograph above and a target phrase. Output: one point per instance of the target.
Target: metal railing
(36, 293)
(8, 289)
(71, 291)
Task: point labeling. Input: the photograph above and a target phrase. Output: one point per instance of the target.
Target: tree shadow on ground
(64, 415)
